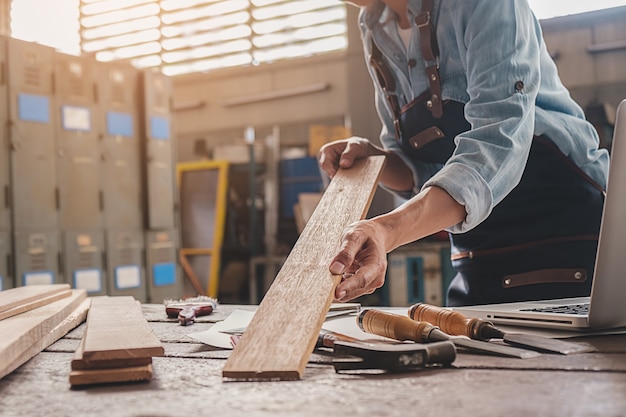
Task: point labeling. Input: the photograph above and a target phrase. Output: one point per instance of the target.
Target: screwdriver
(455, 323)
(403, 328)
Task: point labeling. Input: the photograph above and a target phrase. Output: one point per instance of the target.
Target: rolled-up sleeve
(501, 45)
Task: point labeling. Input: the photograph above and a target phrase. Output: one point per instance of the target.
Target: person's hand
(362, 260)
(343, 153)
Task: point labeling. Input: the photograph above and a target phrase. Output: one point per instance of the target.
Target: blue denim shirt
(486, 46)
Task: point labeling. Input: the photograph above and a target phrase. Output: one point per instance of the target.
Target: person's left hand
(362, 260)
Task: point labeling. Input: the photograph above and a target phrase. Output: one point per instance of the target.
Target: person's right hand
(343, 153)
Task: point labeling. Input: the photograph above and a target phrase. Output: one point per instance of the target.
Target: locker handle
(10, 268)
(7, 196)
(57, 197)
(60, 263)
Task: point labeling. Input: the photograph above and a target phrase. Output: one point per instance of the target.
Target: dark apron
(540, 241)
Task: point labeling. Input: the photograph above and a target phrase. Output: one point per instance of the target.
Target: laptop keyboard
(580, 309)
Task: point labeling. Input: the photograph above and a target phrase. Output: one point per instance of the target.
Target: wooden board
(24, 335)
(114, 375)
(70, 322)
(281, 336)
(117, 329)
(18, 300)
(80, 363)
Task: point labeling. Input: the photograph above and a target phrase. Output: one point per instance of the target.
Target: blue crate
(299, 175)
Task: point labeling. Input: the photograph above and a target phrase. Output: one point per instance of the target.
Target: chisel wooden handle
(453, 322)
(394, 326)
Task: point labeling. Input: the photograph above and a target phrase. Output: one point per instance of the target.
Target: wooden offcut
(18, 300)
(112, 375)
(26, 334)
(80, 363)
(280, 338)
(117, 329)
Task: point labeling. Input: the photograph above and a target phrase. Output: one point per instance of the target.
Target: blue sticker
(160, 128)
(119, 124)
(164, 274)
(33, 108)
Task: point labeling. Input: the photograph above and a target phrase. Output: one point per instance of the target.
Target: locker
(31, 136)
(83, 258)
(33, 191)
(5, 212)
(124, 263)
(78, 165)
(120, 168)
(6, 277)
(164, 278)
(160, 161)
(36, 257)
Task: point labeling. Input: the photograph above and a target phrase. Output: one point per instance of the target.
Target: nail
(337, 267)
(341, 295)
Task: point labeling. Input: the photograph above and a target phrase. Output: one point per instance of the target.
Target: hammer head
(392, 358)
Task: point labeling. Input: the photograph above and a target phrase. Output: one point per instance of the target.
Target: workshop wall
(589, 49)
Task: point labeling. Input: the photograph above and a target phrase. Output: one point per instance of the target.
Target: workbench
(187, 381)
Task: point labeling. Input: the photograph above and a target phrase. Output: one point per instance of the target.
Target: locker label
(159, 128)
(33, 108)
(164, 274)
(38, 278)
(127, 276)
(76, 118)
(88, 279)
(119, 124)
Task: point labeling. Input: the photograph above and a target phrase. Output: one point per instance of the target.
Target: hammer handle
(394, 326)
(452, 322)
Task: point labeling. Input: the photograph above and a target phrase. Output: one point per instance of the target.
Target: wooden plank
(282, 334)
(18, 300)
(72, 321)
(107, 376)
(80, 363)
(117, 329)
(29, 331)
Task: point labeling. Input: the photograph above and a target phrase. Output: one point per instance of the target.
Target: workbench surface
(188, 382)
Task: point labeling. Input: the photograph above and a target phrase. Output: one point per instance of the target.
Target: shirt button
(519, 86)
(412, 63)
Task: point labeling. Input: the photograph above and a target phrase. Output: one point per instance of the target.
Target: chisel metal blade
(546, 344)
(496, 349)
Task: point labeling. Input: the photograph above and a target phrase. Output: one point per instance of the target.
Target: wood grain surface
(75, 318)
(18, 300)
(117, 329)
(282, 334)
(26, 334)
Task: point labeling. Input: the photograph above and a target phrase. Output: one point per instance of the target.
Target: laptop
(606, 306)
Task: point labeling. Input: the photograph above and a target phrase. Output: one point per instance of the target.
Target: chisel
(403, 328)
(455, 323)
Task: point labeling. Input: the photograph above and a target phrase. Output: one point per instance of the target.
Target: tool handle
(453, 322)
(394, 326)
(328, 338)
(187, 316)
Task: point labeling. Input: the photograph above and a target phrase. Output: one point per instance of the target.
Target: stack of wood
(34, 317)
(118, 344)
